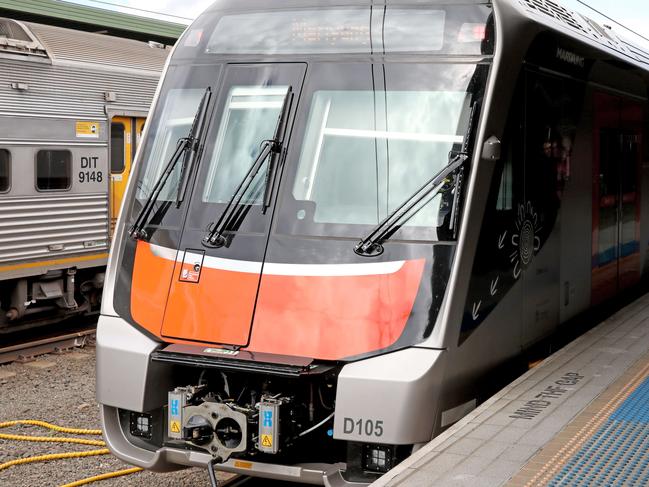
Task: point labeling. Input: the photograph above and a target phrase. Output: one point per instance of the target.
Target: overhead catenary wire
(128, 7)
(613, 20)
(65, 455)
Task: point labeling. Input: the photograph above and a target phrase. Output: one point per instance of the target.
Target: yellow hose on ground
(103, 476)
(58, 456)
(52, 439)
(54, 456)
(59, 429)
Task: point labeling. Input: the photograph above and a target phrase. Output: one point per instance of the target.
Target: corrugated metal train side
(60, 93)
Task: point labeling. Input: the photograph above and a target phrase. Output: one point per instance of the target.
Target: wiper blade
(193, 154)
(215, 237)
(137, 229)
(371, 244)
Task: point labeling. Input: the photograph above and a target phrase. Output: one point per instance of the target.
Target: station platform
(580, 418)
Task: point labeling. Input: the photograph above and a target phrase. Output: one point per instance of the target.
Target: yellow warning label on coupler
(88, 130)
(267, 441)
(175, 427)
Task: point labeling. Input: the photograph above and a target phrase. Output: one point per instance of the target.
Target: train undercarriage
(56, 295)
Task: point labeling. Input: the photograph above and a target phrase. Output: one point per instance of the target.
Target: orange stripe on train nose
(334, 317)
(218, 309)
(149, 287)
(319, 316)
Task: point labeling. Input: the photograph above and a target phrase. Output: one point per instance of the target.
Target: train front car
(288, 237)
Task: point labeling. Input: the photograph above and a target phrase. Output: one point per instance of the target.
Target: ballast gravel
(60, 389)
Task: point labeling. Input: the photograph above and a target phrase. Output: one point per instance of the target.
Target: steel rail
(26, 351)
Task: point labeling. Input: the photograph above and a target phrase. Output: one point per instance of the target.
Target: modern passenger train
(344, 213)
(72, 108)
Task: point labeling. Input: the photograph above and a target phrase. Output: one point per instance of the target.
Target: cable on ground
(59, 456)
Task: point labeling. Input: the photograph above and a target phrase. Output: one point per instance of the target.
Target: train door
(616, 200)
(121, 157)
(552, 112)
(214, 288)
(139, 128)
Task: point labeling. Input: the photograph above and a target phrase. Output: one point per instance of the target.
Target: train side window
(5, 170)
(53, 170)
(117, 147)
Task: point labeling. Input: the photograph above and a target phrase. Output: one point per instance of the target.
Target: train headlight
(378, 458)
(141, 425)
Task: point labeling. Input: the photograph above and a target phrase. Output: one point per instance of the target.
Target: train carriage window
(117, 147)
(53, 170)
(5, 170)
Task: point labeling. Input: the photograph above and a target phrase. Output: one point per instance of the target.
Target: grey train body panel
(557, 284)
(62, 79)
(488, 315)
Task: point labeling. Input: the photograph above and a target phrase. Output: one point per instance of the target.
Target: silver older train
(345, 213)
(72, 108)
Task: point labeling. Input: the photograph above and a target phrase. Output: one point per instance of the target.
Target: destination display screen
(307, 31)
(439, 29)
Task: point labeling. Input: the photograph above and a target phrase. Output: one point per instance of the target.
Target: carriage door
(121, 156)
(616, 198)
(139, 128)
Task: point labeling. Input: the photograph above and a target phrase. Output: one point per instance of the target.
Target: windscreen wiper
(215, 237)
(190, 142)
(371, 244)
(191, 156)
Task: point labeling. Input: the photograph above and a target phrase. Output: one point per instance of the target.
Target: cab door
(121, 157)
(214, 289)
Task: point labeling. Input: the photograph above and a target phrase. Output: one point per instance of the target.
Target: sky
(632, 13)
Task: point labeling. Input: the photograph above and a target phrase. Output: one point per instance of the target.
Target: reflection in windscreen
(250, 117)
(365, 153)
(176, 121)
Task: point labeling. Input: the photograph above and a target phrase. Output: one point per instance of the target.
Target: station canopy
(92, 19)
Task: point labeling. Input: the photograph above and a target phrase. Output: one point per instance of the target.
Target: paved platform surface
(579, 418)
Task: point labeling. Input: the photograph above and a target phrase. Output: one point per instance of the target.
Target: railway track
(25, 351)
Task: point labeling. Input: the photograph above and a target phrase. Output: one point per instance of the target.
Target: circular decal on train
(525, 239)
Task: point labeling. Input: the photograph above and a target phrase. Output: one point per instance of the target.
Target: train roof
(548, 14)
(29, 40)
(558, 18)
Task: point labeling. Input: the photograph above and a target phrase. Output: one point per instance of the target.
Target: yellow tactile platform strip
(551, 459)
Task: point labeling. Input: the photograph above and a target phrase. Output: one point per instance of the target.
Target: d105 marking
(363, 427)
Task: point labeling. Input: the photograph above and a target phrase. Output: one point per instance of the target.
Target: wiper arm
(137, 229)
(193, 154)
(371, 244)
(215, 237)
